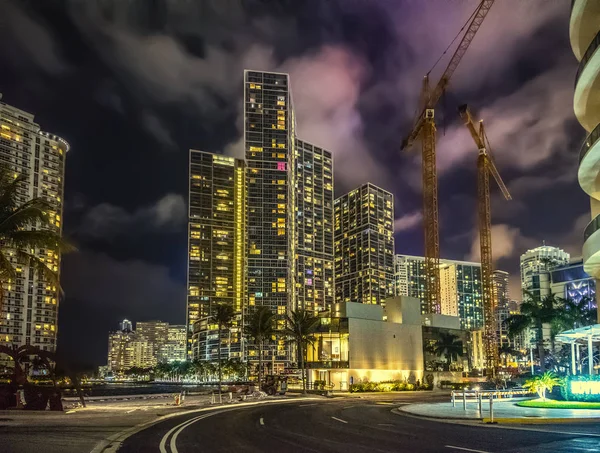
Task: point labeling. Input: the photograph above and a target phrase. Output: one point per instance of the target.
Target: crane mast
(485, 167)
(424, 128)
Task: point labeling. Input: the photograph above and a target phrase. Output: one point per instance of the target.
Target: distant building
(156, 334)
(151, 343)
(126, 325)
(460, 287)
(174, 348)
(314, 227)
(364, 245)
(30, 304)
(217, 232)
(536, 263)
(570, 281)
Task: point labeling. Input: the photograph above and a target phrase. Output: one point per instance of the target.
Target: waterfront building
(216, 235)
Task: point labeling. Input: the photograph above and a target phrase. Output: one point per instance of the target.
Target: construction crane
(485, 168)
(424, 128)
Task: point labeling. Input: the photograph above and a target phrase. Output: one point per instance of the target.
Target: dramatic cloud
(158, 130)
(32, 37)
(408, 221)
(107, 221)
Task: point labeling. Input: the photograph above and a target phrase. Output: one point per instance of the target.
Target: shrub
(385, 386)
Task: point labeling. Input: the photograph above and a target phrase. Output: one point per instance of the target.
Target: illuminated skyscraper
(314, 227)
(269, 148)
(29, 313)
(217, 228)
(364, 245)
(536, 263)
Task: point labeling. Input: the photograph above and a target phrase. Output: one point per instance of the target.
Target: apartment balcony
(591, 248)
(589, 164)
(586, 102)
(583, 25)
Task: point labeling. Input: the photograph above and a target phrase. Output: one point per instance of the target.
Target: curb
(543, 421)
(400, 411)
(112, 443)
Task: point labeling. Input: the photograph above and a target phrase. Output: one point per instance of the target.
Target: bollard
(491, 408)
(479, 401)
(453, 399)
(464, 400)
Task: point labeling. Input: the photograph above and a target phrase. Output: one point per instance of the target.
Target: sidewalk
(504, 412)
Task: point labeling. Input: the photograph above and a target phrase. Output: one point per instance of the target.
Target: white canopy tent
(581, 335)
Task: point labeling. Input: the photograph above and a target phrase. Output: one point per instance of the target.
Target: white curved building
(584, 31)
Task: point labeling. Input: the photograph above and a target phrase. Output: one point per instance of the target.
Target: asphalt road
(348, 426)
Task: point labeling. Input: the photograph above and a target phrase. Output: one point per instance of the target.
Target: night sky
(133, 84)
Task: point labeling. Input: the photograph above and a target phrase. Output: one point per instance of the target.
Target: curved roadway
(347, 425)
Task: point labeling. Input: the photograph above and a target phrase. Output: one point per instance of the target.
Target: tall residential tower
(364, 245)
(313, 169)
(29, 313)
(216, 266)
(269, 139)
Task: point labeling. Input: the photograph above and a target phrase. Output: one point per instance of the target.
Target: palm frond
(46, 239)
(38, 265)
(25, 216)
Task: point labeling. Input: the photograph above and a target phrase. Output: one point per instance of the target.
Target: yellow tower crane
(485, 167)
(424, 128)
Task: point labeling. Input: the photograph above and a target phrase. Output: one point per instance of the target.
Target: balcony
(591, 248)
(583, 24)
(589, 164)
(587, 86)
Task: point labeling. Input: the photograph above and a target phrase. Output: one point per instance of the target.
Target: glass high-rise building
(216, 265)
(269, 133)
(535, 266)
(460, 287)
(364, 245)
(29, 309)
(313, 169)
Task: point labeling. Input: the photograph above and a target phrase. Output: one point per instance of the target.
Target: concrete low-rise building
(365, 342)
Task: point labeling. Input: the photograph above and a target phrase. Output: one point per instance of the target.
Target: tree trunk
(219, 360)
(260, 366)
(541, 351)
(302, 370)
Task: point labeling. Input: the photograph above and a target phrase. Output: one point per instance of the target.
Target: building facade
(313, 167)
(460, 287)
(269, 141)
(572, 282)
(29, 309)
(174, 348)
(216, 234)
(535, 266)
(584, 31)
(364, 245)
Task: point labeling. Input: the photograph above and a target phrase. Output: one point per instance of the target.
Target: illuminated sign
(585, 387)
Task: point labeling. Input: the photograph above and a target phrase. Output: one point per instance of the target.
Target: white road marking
(385, 424)
(262, 421)
(129, 412)
(465, 449)
(339, 420)
(307, 405)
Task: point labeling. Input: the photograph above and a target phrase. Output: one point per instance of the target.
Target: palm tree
(18, 353)
(505, 351)
(535, 312)
(18, 240)
(449, 346)
(540, 384)
(577, 313)
(300, 327)
(222, 316)
(260, 329)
